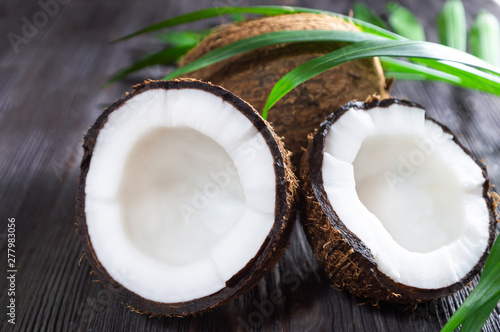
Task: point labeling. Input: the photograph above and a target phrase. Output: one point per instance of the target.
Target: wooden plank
(51, 94)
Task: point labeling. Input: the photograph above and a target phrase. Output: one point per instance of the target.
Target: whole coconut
(253, 74)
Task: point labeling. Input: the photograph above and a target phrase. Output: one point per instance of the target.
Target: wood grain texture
(50, 95)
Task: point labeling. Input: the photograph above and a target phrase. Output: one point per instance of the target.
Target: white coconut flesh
(409, 192)
(180, 194)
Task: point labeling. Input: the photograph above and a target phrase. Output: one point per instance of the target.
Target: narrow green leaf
(261, 10)
(167, 56)
(186, 37)
(492, 266)
(452, 26)
(405, 23)
(371, 48)
(484, 38)
(363, 12)
(476, 308)
(471, 78)
(268, 39)
(475, 321)
(482, 300)
(370, 28)
(404, 70)
(237, 17)
(213, 12)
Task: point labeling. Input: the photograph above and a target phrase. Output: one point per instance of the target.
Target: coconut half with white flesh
(185, 197)
(396, 209)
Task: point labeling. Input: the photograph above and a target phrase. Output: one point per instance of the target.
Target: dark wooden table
(50, 94)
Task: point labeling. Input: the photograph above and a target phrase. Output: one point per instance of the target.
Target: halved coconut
(396, 208)
(184, 200)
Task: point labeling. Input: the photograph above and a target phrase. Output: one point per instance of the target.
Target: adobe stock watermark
(425, 310)
(264, 309)
(61, 168)
(96, 305)
(219, 180)
(409, 164)
(31, 26)
(11, 270)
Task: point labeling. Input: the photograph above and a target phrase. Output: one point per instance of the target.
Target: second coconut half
(396, 209)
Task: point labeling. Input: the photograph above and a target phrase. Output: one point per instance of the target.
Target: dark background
(49, 96)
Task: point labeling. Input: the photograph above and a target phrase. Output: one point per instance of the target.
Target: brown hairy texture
(253, 74)
(271, 250)
(345, 258)
(496, 201)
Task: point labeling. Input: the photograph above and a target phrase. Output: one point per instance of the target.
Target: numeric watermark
(11, 270)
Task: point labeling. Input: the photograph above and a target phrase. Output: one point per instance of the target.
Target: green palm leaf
(374, 48)
(186, 37)
(363, 12)
(409, 71)
(404, 22)
(267, 39)
(477, 307)
(261, 10)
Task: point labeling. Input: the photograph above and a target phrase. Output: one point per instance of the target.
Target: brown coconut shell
(253, 74)
(271, 250)
(347, 261)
